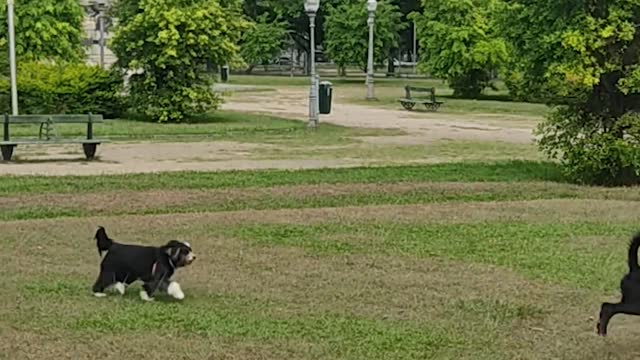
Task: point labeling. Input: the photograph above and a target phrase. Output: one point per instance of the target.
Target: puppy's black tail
(102, 241)
(633, 253)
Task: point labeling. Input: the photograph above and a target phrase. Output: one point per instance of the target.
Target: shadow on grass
(217, 117)
(59, 160)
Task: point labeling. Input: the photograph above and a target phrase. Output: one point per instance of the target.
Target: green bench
(47, 133)
(430, 102)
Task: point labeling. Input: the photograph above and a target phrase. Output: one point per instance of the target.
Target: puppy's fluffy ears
(179, 252)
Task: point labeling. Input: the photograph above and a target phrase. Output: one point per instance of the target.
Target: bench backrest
(60, 119)
(408, 89)
(88, 119)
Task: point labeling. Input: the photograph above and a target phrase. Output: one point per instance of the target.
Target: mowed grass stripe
(223, 316)
(586, 255)
(508, 171)
(26, 207)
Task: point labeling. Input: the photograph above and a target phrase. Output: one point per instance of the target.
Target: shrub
(169, 43)
(583, 59)
(591, 152)
(47, 88)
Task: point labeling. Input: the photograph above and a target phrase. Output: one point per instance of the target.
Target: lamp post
(101, 27)
(100, 8)
(311, 8)
(371, 9)
(12, 59)
(415, 48)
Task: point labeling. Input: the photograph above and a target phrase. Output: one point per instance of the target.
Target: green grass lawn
(218, 124)
(469, 260)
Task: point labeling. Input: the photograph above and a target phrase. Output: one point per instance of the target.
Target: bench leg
(7, 152)
(408, 106)
(89, 150)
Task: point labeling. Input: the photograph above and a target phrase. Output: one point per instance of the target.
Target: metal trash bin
(224, 73)
(325, 93)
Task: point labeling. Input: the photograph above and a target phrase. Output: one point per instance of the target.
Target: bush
(168, 101)
(169, 43)
(592, 151)
(46, 88)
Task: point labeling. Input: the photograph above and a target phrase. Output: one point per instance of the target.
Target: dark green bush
(593, 150)
(46, 88)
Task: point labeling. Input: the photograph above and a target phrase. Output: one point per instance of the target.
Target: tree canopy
(459, 43)
(263, 41)
(44, 30)
(584, 56)
(347, 33)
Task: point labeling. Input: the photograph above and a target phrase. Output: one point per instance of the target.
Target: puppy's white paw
(119, 287)
(99, 295)
(144, 296)
(175, 291)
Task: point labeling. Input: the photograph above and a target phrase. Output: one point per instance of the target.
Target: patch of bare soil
(150, 157)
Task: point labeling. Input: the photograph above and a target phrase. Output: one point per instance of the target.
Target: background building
(93, 10)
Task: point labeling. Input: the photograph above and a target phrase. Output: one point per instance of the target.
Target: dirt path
(422, 126)
(146, 157)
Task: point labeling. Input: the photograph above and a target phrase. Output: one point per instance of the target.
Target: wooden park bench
(47, 133)
(430, 102)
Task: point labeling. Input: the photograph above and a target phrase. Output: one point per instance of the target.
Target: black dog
(630, 286)
(124, 264)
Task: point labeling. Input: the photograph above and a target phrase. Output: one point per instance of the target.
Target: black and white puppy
(630, 287)
(154, 266)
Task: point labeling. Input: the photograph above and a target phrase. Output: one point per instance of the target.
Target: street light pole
(101, 41)
(371, 8)
(415, 48)
(311, 8)
(12, 59)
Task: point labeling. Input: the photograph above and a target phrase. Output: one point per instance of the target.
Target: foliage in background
(291, 13)
(459, 43)
(347, 33)
(47, 88)
(45, 30)
(263, 41)
(587, 60)
(168, 43)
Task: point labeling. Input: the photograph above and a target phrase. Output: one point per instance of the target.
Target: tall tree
(45, 30)
(585, 57)
(347, 33)
(169, 42)
(263, 41)
(459, 43)
(407, 7)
